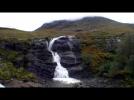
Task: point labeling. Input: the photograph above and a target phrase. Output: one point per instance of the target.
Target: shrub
(123, 63)
(112, 69)
(8, 72)
(125, 54)
(104, 68)
(8, 54)
(108, 69)
(86, 59)
(94, 57)
(130, 66)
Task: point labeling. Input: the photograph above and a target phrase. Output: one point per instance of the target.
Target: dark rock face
(35, 56)
(15, 45)
(69, 50)
(40, 59)
(66, 44)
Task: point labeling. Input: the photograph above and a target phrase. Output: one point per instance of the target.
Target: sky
(32, 21)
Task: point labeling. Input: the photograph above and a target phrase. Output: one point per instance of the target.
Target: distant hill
(83, 28)
(85, 22)
(6, 33)
(88, 24)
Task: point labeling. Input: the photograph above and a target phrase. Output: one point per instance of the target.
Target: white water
(61, 74)
(2, 86)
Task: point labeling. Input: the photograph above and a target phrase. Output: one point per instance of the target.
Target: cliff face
(70, 53)
(42, 62)
(36, 58)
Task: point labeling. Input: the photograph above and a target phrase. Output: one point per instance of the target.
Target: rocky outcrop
(41, 61)
(33, 55)
(16, 45)
(38, 59)
(69, 50)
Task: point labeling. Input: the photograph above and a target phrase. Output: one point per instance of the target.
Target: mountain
(87, 21)
(88, 24)
(83, 28)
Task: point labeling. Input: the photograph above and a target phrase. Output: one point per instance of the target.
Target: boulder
(66, 44)
(70, 59)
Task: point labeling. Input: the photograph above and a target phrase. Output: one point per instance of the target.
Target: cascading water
(2, 86)
(61, 74)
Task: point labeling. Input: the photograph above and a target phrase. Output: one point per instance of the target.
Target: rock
(70, 52)
(34, 57)
(21, 84)
(16, 45)
(40, 59)
(61, 48)
(68, 44)
(69, 59)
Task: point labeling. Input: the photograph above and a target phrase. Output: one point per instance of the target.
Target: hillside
(104, 47)
(6, 33)
(88, 26)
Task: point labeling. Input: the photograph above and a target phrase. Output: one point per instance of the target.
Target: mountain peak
(88, 21)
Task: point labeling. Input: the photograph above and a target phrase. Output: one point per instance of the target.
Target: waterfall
(2, 86)
(61, 74)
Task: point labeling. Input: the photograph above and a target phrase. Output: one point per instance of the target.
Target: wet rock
(36, 57)
(40, 59)
(66, 44)
(33, 56)
(70, 52)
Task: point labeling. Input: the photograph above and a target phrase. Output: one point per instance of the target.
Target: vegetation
(122, 65)
(94, 34)
(8, 71)
(8, 68)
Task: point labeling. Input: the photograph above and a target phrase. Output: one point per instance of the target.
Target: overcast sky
(31, 21)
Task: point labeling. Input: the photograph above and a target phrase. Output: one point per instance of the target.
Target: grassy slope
(84, 28)
(6, 33)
